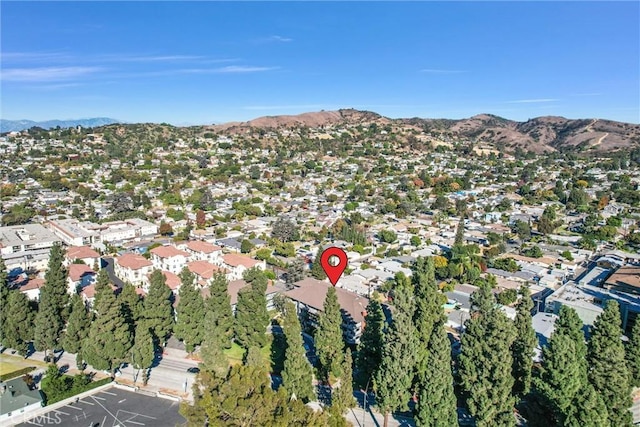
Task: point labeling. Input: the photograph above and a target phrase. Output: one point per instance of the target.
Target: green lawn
(235, 354)
(10, 364)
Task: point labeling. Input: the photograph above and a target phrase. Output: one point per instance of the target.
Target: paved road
(108, 265)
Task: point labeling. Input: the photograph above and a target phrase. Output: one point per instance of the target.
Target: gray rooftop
(26, 234)
(15, 395)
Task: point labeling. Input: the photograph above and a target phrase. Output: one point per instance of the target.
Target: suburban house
(169, 258)
(172, 281)
(133, 268)
(204, 271)
(32, 288)
(309, 294)
(238, 264)
(84, 254)
(80, 276)
(16, 399)
(203, 251)
(625, 279)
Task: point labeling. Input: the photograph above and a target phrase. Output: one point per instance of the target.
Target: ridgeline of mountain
(18, 125)
(541, 134)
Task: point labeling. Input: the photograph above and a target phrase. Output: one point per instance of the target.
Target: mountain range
(18, 125)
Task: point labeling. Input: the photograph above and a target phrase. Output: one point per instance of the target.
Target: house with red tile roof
(133, 268)
(80, 276)
(204, 271)
(82, 253)
(200, 250)
(172, 281)
(88, 294)
(32, 289)
(169, 258)
(237, 264)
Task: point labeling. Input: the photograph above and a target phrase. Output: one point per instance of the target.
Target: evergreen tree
(49, 321)
(132, 303)
(392, 381)
(78, 326)
(143, 351)
(213, 359)
(295, 271)
(371, 343)
(317, 272)
(18, 327)
(608, 371)
(633, 354)
(588, 410)
(428, 307)
(109, 339)
(252, 316)
(102, 281)
(158, 307)
(436, 398)
(190, 324)
(329, 340)
(4, 298)
(486, 362)
(562, 381)
(219, 305)
(459, 239)
(524, 345)
(342, 397)
(297, 375)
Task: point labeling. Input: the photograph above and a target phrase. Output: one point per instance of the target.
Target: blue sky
(206, 62)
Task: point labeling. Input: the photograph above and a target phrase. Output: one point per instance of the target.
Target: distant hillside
(18, 125)
(542, 134)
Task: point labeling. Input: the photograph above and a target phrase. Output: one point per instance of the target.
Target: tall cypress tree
(4, 298)
(132, 303)
(608, 371)
(371, 343)
(110, 338)
(428, 308)
(436, 399)
(18, 326)
(143, 351)
(158, 308)
(297, 375)
(486, 361)
(252, 317)
(633, 354)
(78, 326)
(219, 305)
(329, 339)
(342, 397)
(213, 359)
(562, 381)
(190, 323)
(393, 380)
(317, 272)
(524, 345)
(49, 321)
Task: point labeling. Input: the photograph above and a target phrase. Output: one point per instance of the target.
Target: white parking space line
(88, 403)
(120, 401)
(60, 412)
(134, 422)
(74, 407)
(104, 420)
(99, 398)
(108, 392)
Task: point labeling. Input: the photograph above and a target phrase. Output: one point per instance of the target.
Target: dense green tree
(132, 302)
(102, 280)
(285, 230)
(486, 362)
(4, 297)
(633, 354)
(143, 351)
(428, 307)
(219, 305)
(158, 307)
(342, 397)
(371, 343)
(18, 326)
(562, 381)
(317, 272)
(49, 321)
(110, 338)
(393, 380)
(252, 316)
(190, 311)
(329, 339)
(524, 345)
(608, 371)
(459, 239)
(297, 375)
(78, 326)
(436, 399)
(522, 229)
(295, 271)
(213, 359)
(387, 236)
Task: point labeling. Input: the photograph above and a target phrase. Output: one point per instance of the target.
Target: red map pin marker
(333, 270)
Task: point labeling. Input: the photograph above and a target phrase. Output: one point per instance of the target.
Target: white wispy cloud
(275, 39)
(532, 101)
(441, 71)
(46, 74)
(242, 69)
(147, 58)
(34, 56)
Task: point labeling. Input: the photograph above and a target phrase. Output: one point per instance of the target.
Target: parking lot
(111, 408)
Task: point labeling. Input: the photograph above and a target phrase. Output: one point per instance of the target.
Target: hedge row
(73, 392)
(17, 373)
